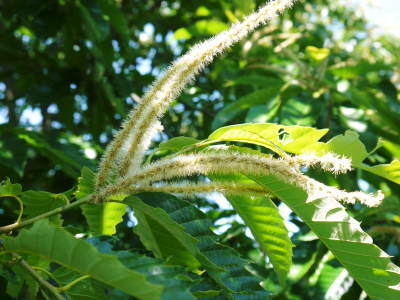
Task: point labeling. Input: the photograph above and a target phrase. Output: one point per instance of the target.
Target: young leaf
(57, 245)
(367, 264)
(103, 217)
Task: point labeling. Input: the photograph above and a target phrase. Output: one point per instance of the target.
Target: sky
(384, 14)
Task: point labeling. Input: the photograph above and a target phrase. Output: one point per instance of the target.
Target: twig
(72, 283)
(11, 227)
(52, 289)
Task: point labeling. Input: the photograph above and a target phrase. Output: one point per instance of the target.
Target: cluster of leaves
(76, 63)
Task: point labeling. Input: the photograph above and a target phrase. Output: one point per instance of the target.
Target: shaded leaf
(57, 245)
(166, 238)
(235, 282)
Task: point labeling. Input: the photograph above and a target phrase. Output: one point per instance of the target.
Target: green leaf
(102, 217)
(262, 217)
(235, 281)
(182, 34)
(359, 69)
(166, 238)
(57, 245)
(299, 140)
(317, 54)
(389, 171)
(66, 156)
(39, 202)
(8, 189)
(174, 279)
(177, 143)
(211, 26)
(83, 290)
(333, 282)
(269, 135)
(367, 264)
(262, 96)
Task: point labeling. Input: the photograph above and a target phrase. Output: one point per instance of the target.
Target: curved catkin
(186, 165)
(189, 188)
(329, 162)
(137, 131)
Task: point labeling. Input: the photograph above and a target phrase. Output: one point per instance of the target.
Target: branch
(52, 289)
(61, 209)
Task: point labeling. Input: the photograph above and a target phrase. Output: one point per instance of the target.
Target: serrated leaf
(102, 217)
(235, 282)
(268, 135)
(57, 245)
(166, 238)
(262, 217)
(367, 263)
(9, 189)
(39, 202)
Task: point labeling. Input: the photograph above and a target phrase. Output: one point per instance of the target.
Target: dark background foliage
(70, 71)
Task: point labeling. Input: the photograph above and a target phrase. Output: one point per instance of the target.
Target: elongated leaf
(57, 245)
(166, 238)
(268, 228)
(262, 96)
(103, 217)
(235, 282)
(367, 264)
(266, 224)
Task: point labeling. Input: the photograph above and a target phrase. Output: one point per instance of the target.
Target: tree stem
(11, 227)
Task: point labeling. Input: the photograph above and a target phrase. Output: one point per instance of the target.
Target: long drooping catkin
(130, 144)
(185, 165)
(189, 188)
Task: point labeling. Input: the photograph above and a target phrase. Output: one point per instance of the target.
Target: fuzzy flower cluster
(121, 169)
(125, 153)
